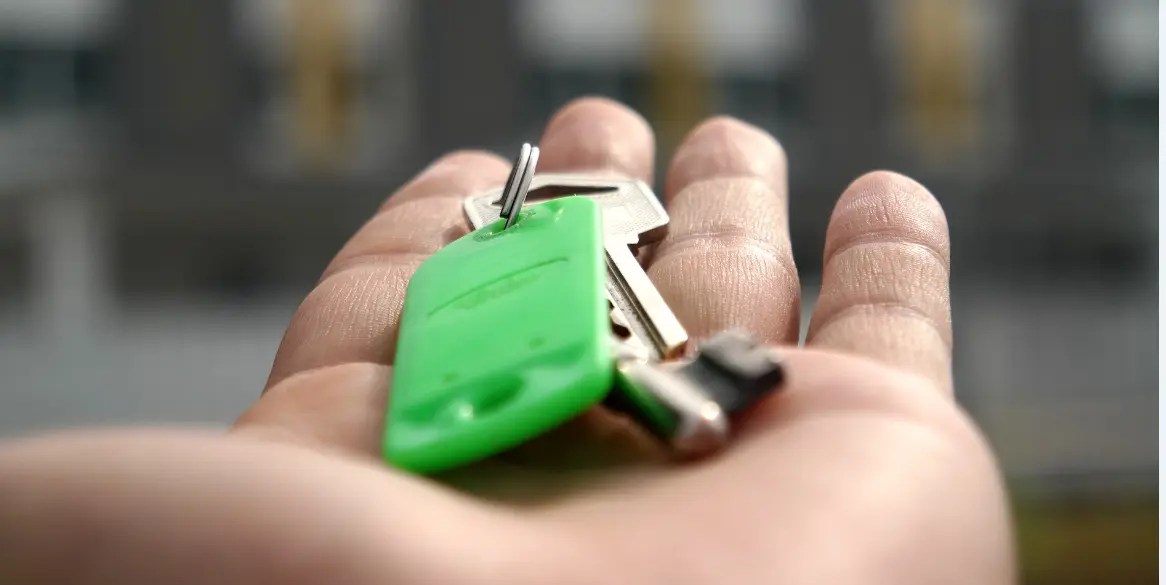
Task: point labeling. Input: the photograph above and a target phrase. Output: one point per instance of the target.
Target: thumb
(188, 507)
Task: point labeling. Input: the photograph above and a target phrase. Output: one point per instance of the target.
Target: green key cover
(504, 336)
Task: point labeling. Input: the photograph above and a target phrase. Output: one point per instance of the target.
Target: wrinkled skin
(863, 471)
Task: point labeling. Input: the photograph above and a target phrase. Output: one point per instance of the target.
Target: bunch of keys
(543, 312)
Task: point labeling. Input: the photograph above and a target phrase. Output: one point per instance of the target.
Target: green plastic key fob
(504, 336)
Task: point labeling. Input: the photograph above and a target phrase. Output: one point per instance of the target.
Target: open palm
(863, 471)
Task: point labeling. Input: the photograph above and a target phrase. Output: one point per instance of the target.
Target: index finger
(353, 313)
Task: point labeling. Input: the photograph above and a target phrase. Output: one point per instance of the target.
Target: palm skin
(863, 471)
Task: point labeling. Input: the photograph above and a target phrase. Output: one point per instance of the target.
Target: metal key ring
(518, 183)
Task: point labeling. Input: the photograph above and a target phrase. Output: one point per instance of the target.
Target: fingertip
(598, 134)
(894, 188)
(888, 205)
(728, 127)
(726, 147)
(876, 182)
(595, 105)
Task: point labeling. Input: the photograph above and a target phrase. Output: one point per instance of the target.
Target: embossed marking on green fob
(503, 337)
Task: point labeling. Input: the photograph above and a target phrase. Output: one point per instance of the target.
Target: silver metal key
(689, 403)
(647, 316)
(629, 207)
(632, 216)
(666, 404)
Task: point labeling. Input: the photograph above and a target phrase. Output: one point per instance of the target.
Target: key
(504, 336)
(647, 316)
(689, 404)
(632, 216)
(629, 207)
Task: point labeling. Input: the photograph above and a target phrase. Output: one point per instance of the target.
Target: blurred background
(174, 176)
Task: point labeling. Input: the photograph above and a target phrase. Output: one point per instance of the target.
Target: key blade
(622, 330)
(648, 316)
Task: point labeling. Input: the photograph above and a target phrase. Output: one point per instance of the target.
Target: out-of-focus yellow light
(679, 86)
(937, 50)
(321, 87)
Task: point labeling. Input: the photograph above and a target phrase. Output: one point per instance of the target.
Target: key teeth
(627, 351)
(618, 318)
(622, 331)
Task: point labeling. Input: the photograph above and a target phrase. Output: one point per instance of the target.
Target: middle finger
(598, 136)
(727, 261)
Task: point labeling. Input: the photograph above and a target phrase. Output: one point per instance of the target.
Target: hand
(863, 471)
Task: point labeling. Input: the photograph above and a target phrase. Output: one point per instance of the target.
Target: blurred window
(580, 48)
(1122, 50)
(1122, 46)
(36, 78)
(328, 85)
(54, 78)
(53, 54)
(773, 103)
(15, 277)
(549, 87)
(739, 57)
(760, 60)
(54, 73)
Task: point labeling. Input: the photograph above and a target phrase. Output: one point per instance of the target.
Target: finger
(727, 261)
(885, 278)
(168, 507)
(335, 408)
(352, 314)
(598, 135)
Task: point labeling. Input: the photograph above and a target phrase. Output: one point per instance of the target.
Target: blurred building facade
(174, 175)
